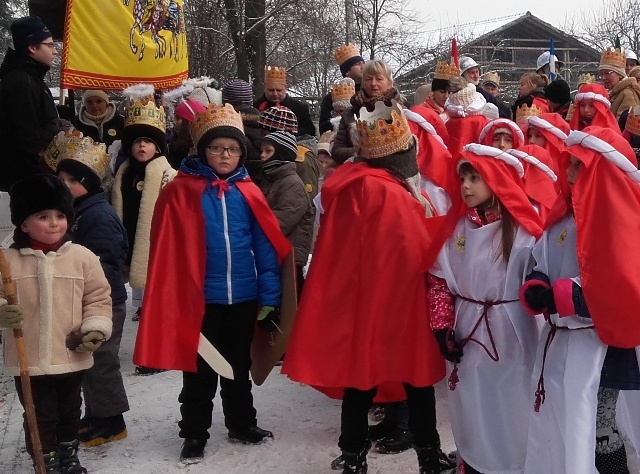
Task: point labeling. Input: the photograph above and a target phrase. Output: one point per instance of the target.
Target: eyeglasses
(52, 45)
(219, 150)
(605, 73)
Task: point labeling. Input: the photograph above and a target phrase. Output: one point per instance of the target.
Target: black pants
(57, 403)
(230, 330)
(355, 412)
(299, 280)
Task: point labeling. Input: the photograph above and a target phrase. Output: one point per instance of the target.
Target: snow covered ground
(305, 424)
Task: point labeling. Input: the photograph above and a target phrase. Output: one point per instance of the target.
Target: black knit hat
(285, 145)
(38, 193)
(558, 91)
(134, 132)
(346, 65)
(81, 173)
(27, 31)
(439, 85)
(223, 132)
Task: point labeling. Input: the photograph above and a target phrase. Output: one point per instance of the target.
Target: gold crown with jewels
(525, 111)
(614, 58)
(384, 131)
(215, 116)
(446, 71)
(275, 75)
(343, 90)
(74, 146)
(345, 51)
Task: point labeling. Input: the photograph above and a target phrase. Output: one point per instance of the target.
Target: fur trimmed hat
(38, 193)
(285, 145)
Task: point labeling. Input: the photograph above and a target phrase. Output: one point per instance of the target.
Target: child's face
(502, 140)
(475, 191)
(534, 137)
(48, 226)
(223, 154)
(75, 186)
(143, 150)
(267, 152)
(587, 110)
(574, 170)
(325, 160)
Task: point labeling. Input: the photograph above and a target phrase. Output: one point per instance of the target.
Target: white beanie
(95, 93)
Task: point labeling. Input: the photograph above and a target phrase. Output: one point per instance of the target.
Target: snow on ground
(305, 424)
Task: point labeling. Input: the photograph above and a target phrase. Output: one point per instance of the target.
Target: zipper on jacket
(227, 244)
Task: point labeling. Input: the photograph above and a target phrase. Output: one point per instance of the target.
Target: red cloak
(363, 318)
(173, 306)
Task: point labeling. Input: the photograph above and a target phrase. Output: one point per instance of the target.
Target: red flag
(454, 52)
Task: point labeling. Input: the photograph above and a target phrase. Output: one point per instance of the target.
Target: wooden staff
(25, 380)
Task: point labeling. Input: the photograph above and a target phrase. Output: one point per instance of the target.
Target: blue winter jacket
(241, 263)
(98, 227)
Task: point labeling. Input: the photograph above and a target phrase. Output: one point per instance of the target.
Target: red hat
(600, 97)
(486, 135)
(539, 176)
(606, 198)
(187, 109)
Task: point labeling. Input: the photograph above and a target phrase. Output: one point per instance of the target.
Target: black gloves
(269, 318)
(449, 347)
(540, 298)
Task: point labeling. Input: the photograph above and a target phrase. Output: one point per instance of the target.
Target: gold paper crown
(275, 75)
(74, 146)
(633, 120)
(384, 131)
(215, 116)
(344, 52)
(492, 77)
(446, 71)
(143, 111)
(525, 111)
(343, 90)
(614, 58)
(586, 78)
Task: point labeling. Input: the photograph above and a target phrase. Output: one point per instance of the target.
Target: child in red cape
(583, 284)
(481, 329)
(501, 133)
(369, 327)
(592, 107)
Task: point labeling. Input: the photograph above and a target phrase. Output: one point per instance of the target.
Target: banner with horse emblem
(112, 44)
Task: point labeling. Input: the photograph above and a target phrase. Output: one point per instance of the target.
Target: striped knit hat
(237, 92)
(285, 145)
(279, 118)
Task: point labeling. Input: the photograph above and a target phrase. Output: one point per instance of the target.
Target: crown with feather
(383, 131)
(141, 107)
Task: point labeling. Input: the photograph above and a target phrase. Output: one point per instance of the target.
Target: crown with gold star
(74, 146)
(384, 131)
(215, 116)
(525, 111)
(345, 52)
(633, 120)
(446, 71)
(343, 90)
(614, 59)
(275, 75)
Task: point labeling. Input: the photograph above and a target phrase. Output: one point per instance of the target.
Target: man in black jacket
(28, 116)
(275, 93)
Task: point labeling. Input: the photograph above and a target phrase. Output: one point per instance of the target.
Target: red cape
(605, 204)
(462, 131)
(173, 308)
(537, 184)
(603, 117)
(363, 316)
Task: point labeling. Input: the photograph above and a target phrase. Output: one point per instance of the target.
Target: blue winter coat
(241, 263)
(98, 227)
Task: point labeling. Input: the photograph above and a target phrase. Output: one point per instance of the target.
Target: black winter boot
(250, 435)
(612, 463)
(69, 462)
(400, 440)
(355, 462)
(51, 463)
(192, 450)
(432, 460)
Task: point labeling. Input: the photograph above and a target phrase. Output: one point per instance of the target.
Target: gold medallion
(140, 185)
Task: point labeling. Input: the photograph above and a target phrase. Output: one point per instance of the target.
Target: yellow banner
(112, 44)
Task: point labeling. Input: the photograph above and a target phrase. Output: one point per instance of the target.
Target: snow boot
(432, 460)
(250, 435)
(103, 430)
(382, 429)
(355, 463)
(400, 440)
(51, 463)
(69, 462)
(192, 450)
